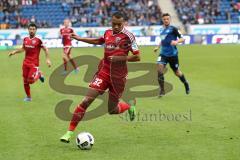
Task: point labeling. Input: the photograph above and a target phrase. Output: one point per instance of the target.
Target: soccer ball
(85, 141)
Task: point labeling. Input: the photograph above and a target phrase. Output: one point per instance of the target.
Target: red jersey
(66, 36)
(117, 45)
(32, 47)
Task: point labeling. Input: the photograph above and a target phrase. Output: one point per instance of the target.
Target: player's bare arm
(20, 50)
(134, 58)
(48, 61)
(95, 41)
(180, 40)
(157, 48)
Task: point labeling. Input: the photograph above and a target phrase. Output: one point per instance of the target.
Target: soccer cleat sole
(65, 141)
(42, 79)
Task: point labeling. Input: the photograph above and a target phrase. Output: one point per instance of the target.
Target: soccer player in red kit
(32, 46)
(111, 74)
(66, 32)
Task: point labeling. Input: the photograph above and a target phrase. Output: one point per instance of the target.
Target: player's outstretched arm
(157, 48)
(95, 41)
(180, 40)
(134, 58)
(180, 37)
(16, 51)
(47, 56)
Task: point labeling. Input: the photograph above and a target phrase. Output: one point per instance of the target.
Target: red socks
(77, 117)
(27, 90)
(122, 107)
(80, 111)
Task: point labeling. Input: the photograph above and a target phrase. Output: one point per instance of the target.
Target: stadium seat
(224, 7)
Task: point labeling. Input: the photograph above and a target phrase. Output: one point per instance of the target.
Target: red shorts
(102, 82)
(31, 73)
(67, 50)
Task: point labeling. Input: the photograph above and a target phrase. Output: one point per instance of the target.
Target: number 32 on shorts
(97, 82)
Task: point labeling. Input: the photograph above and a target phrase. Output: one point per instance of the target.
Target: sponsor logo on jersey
(110, 46)
(29, 46)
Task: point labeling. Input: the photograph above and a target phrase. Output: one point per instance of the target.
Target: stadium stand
(93, 13)
(208, 12)
(87, 13)
(138, 12)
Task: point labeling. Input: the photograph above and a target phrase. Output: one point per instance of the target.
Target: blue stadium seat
(224, 6)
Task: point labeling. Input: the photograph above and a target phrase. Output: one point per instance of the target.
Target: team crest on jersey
(33, 41)
(117, 40)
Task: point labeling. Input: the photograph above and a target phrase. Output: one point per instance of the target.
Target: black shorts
(173, 61)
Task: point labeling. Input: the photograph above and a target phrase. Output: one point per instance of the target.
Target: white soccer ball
(85, 141)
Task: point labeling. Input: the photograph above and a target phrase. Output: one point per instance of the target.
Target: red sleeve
(41, 44)
(102, 39)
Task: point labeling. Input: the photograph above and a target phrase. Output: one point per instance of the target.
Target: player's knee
(160, 70)
(30, 81)
(64, 60)
(25, 81)
(65, 57)
(178, 73)
(160, 67)
(160, 76)
(160, 73)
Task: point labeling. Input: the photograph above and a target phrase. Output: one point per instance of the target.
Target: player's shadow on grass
(62, 109)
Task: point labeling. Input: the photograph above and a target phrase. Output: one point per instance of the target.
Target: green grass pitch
(32, 130)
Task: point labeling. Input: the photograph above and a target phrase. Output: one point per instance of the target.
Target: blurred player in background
(32, 46)
(170, 38)
(112, 72)
(66, 32)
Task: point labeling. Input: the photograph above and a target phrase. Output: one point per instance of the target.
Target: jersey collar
(31, 38)
(166, 26)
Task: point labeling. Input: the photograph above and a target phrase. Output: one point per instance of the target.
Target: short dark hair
(165, 14)
(32, 25)
(118, 15)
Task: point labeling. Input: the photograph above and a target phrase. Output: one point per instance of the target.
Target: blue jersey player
(170, 38)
